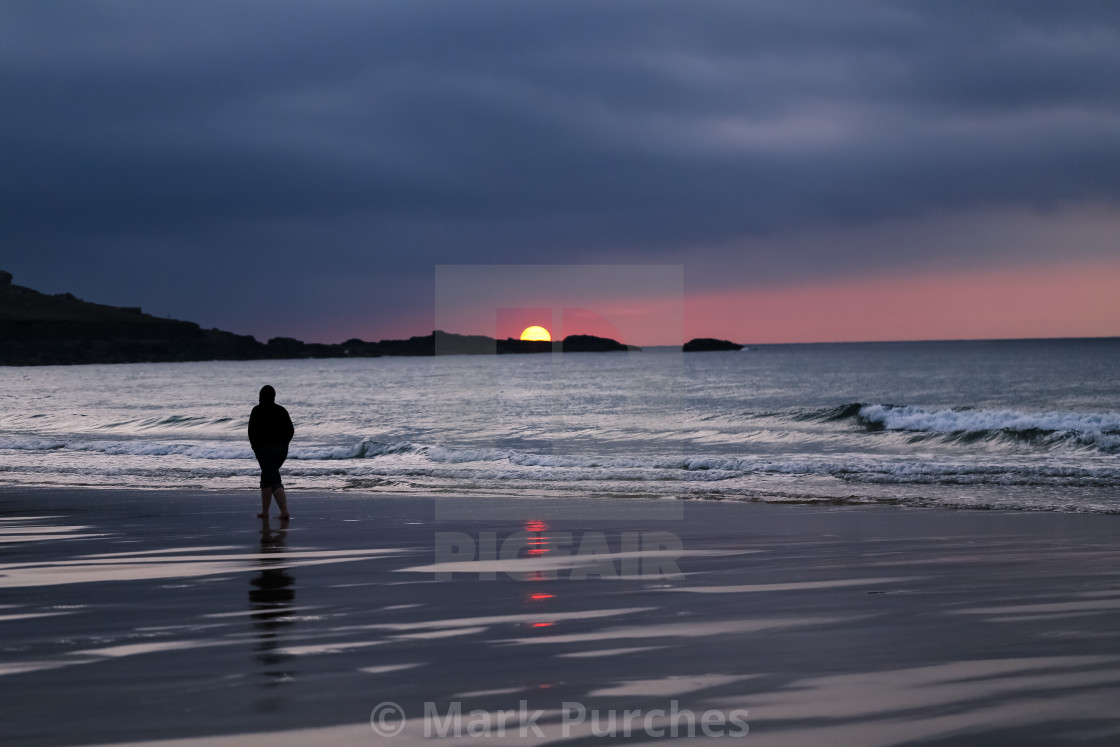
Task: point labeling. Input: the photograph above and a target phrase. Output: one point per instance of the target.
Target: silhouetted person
(270, 432)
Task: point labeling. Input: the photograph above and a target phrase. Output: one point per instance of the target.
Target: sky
(811, 170)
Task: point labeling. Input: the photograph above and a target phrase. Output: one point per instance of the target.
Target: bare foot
(263, 516)
(285, 517)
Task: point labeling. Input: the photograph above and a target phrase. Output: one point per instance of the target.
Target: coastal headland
(60, 329)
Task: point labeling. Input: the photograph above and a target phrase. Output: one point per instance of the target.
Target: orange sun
(536, 334)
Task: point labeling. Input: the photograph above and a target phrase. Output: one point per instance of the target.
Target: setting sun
(536, 334)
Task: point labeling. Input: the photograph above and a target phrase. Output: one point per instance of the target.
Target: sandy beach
(149, 616)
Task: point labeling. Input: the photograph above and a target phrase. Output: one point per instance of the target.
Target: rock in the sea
(700, 344)
(5, 278)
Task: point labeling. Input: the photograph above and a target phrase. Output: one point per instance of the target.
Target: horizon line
(802, 342)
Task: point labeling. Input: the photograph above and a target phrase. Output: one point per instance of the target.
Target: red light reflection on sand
(538, 546)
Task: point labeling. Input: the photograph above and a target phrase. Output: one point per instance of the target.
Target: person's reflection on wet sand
(271, 594)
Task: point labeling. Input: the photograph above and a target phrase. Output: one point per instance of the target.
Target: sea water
(1029, 425)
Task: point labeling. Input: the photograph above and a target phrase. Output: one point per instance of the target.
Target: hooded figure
(270, 432)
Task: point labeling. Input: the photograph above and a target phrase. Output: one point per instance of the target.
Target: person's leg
(266, 501)
(266, 481)
(281, 501)
(278, 488)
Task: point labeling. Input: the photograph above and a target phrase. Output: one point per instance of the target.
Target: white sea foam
(133, 447)
(1054, 429)
(955, 421)
(370, 458)
(205, 450)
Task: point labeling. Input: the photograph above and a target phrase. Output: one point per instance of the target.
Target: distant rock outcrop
(701, 344)
(593, 344)
(41, 329)
(449, 343)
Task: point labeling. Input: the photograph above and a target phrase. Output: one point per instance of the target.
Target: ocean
(1016, 425)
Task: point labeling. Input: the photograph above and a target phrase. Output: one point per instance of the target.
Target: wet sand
(130, 616)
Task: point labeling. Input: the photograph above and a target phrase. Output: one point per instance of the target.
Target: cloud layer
(213, 157)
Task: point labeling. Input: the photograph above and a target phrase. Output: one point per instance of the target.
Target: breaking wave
(405, 458)
(1100, 431)
(207, 450)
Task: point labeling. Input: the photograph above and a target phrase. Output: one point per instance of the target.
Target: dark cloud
(193, 155)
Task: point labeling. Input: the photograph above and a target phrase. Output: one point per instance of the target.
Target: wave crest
(1095, 430)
